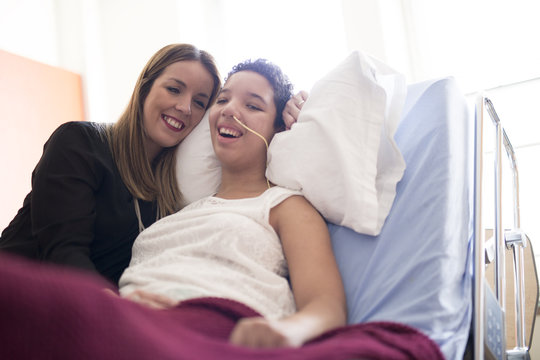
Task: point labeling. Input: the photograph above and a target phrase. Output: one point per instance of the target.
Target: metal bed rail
(489, 320)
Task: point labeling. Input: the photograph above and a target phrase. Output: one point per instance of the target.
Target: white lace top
(216, 247)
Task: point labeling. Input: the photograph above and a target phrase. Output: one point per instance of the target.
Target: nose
(184, 104)
(230, 109)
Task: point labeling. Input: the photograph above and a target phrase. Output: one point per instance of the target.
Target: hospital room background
(488, 46)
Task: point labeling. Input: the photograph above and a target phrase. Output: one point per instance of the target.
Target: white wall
(28, 28)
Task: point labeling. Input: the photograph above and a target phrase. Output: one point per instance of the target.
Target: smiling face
(249, 97)
(175, 104)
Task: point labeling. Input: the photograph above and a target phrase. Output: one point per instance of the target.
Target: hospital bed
(426, 268)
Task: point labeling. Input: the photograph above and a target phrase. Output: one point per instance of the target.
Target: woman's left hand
(154, 301)
(293, 107)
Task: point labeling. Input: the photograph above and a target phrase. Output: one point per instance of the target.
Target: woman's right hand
(258, 332)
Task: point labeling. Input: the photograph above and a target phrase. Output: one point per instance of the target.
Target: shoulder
(297, 222)
(77, 133)
(277, 194)
(76, 142)
(81, 128)
(293, 203)
(293, 210)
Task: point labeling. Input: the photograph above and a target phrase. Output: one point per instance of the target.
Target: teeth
(174, 123)
(229, 132)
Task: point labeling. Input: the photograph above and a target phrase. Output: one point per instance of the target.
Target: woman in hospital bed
(251, 267)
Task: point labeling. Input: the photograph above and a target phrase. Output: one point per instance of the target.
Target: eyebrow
(251, 94)
(183, 84)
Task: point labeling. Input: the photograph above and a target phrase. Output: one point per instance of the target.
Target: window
(491, 46)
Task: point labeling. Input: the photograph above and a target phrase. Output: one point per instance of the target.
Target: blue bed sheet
(417, 270)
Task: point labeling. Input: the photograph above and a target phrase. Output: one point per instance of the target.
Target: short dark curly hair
(278, 80)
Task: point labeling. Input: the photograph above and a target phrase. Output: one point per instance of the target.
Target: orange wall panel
(34, 99)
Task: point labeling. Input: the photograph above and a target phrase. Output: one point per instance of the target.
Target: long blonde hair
(156, 180)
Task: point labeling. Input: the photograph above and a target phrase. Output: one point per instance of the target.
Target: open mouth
(173, 123)
(229, 133)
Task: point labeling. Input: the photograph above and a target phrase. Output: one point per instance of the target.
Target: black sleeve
(63, 202)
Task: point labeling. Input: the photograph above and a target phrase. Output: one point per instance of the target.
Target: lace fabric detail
(216, 247)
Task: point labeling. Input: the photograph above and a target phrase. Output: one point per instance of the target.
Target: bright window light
(306, 38)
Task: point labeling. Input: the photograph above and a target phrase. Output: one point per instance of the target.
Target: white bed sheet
(417, 270)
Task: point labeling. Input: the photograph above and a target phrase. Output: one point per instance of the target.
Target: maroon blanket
(50, 313)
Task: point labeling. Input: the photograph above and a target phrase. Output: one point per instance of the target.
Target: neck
(236, 186)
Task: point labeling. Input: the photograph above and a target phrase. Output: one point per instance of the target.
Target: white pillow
(197, 168)
(341, 153)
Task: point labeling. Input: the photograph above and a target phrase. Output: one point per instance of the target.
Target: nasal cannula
(256, 133)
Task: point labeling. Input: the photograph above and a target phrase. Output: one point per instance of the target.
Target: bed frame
(501, 329)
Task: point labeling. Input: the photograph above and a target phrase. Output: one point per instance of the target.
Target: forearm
(316, 317)
(63, 245)
(313, 319)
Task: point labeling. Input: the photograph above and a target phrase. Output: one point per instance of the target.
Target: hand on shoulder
(293, 107)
